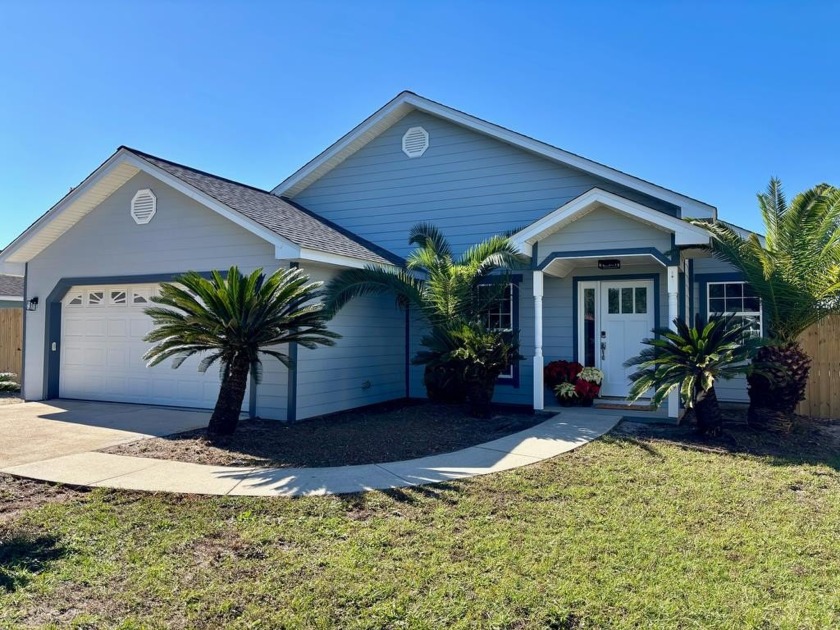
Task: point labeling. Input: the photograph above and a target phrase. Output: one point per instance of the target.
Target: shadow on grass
(811, 442)
(22, 556)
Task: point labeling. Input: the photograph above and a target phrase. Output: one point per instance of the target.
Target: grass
(645, 528)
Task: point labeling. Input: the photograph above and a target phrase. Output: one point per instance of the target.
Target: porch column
(538, 341)
(673, 313)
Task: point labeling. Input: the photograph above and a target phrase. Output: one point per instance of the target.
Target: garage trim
(52, 328)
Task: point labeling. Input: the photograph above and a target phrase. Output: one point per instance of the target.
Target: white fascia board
(553, 153)
(355, 139)
(360, 135)
(11, 298)
(281, 244)
(8, 254)
(684, 233)
(336, 260)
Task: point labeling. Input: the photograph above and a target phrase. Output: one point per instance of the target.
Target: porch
(605, 271)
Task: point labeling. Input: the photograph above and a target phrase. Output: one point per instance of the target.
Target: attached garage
(102, 347)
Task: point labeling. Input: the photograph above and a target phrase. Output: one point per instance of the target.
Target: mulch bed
(381, 433)
(811, 440)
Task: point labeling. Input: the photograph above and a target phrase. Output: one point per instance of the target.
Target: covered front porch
(605, 271)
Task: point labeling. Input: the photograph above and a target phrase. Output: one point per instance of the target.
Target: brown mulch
(381, 433)
(811, 440)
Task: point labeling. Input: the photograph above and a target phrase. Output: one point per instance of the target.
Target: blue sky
(707, 98)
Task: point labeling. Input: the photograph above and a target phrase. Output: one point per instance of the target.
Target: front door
(614, 317)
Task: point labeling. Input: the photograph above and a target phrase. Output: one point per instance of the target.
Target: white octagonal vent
(415, 141)
(143, 206)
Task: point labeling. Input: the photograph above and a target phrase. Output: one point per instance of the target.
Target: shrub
(8, 382)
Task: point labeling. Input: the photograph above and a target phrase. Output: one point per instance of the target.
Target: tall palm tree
(692, 359)
(233, 320)
(796, 273)
(442, 287)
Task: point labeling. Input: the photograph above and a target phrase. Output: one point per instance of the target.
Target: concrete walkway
(560, 434)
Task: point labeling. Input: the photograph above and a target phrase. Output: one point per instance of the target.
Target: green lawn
(650, 530)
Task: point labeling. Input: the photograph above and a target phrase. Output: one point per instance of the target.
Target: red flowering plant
(557, 372)
(573, 383)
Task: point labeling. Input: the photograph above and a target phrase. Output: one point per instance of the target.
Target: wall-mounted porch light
(32, 305)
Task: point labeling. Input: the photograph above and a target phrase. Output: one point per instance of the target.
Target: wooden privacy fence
(822, 343)
(11, 340)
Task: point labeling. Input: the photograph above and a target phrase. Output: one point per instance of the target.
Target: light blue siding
(604, 229)
(468, 184)
(10, 304)
(185, 235)
(366, 366)
(182, 236)
(734, 390)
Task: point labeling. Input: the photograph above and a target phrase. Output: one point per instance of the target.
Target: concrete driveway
(32, 432)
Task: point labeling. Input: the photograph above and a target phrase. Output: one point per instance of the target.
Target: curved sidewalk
(557, 435)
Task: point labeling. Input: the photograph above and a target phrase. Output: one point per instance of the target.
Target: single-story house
(611, 257)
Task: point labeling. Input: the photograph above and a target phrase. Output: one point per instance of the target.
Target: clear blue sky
(707, 98)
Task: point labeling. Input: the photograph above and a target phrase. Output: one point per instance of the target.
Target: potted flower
(566, 394)
(588, 385)
(557, 372)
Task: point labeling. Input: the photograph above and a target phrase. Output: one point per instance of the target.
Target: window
(140, 296)
(627, 300)
(500, 315)
(95, 298)
(117, 297)
(76, 299)
(735, 298)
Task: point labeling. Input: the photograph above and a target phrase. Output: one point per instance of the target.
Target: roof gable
(294, 231)
(407, 102)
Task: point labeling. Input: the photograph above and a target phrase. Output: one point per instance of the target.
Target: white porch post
(673, 313)
(538, 341)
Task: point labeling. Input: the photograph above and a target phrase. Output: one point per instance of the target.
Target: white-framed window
(735, 298)
(499, 315)
(117, 296)
(140, 297)
(95, 298)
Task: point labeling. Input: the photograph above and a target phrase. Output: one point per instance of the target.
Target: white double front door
(613, 318)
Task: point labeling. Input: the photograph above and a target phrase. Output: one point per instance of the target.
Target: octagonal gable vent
(143, 206)
(415, 141)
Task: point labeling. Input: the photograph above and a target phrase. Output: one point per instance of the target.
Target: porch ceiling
(564, 264)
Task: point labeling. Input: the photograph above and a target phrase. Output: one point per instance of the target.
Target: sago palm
(234, 320)
(692, 358)
(437, 284)
(796, 273)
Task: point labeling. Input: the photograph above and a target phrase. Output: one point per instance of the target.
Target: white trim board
(684, 232)
(406, 102)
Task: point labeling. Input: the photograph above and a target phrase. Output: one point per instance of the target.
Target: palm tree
(796, 273)
(692, 359)
(442, 287)
(234, 320)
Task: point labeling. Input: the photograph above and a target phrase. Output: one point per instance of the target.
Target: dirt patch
(382, 433)
(19, 495)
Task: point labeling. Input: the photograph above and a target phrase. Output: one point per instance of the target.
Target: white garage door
(102, 349)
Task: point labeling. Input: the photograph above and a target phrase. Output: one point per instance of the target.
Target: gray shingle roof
(282, 216)
(11, 286)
